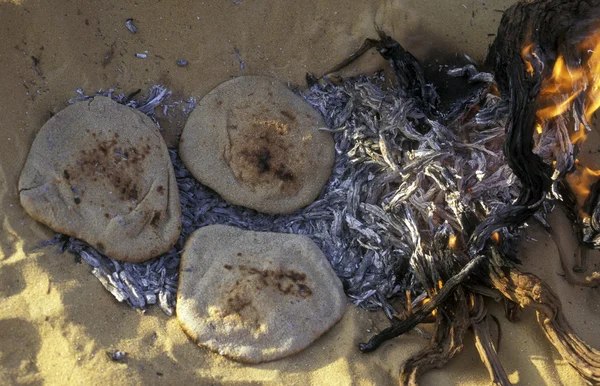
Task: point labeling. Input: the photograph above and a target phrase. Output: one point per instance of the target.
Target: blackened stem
(408, 324)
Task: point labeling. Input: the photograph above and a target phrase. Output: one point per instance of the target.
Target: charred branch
(452, 323)
(419, 315)
(408, 73)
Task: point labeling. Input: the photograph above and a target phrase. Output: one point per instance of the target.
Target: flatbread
(258, 145)
(256, 296)
(100, 171)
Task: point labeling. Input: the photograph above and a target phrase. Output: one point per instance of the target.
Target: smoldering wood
(344, 221)
(418, 316)
(555, 27)
(452, 323)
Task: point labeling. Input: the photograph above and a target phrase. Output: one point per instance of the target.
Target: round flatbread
(258, 145)
(100, 171)
(256, 296)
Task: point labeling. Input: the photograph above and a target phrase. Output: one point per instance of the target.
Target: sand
(56, 320)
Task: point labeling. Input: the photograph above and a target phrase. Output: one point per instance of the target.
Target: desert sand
(56, 320)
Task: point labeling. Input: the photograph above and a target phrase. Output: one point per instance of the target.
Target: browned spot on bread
(160, 189)
(283, 174)
(287, 282)
(288, 115)
(238, 298)
(111, 161)
(155, 218)
(263, 156)
(237, 303)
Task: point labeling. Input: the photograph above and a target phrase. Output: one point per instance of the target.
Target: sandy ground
(56, 320)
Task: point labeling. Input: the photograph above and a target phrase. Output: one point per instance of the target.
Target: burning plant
(447, 196)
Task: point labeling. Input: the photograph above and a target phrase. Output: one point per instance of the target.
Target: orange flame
(496, 237)
(452, 242)
(581, 181)
(538, 128)
(558, 94)
(560, 90)
(526, 53)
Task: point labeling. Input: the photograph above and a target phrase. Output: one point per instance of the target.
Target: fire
(526, 53)
(452, 242)
(581, 181)
(496, 237)
(538, 128)
(567, 83)
(579, 136)
(408, 303)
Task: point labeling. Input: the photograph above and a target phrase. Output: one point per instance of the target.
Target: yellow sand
(56, 320)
